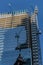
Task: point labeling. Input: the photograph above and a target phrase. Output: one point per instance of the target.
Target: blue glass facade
(8, 42)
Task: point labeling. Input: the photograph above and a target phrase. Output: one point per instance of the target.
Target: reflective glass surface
(8, 43)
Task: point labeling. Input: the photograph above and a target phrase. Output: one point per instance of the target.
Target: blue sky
(25, 4)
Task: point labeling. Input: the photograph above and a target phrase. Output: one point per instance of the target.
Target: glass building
(9, 29)
(8, 43)
(19, 34)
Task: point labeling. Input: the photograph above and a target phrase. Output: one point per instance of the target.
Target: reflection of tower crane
(20, 60)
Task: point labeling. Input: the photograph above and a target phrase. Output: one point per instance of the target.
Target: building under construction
(19, 36)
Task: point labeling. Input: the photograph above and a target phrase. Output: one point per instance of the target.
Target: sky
(17, 5)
